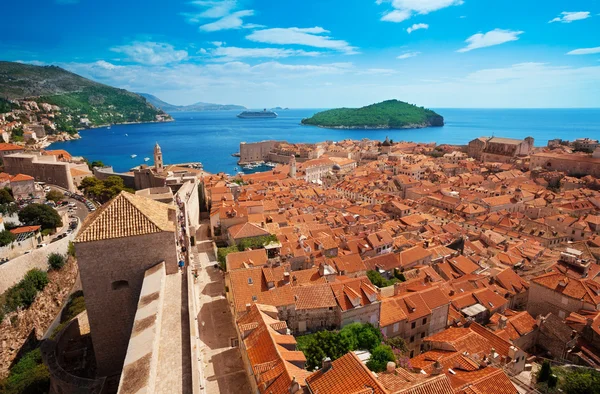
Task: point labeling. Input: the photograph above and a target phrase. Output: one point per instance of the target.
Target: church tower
(293, 167)
(158, 159)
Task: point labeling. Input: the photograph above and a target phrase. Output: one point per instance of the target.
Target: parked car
(72, 204)
(41, 245)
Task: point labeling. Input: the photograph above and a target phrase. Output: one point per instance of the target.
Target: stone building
(497, 149)
(256, 151)
(571, 164)
(115, 247)
(9, 149)
(43, 168)
(23, 186)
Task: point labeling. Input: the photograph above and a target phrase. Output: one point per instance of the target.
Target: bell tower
(158, 159)
(293, 167)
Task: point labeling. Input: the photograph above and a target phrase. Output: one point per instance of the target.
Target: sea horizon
(210, 137)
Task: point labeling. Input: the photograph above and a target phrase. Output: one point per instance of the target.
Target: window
(250, 281)
(425, 321)
(413, 324)
(396, 326)
(120, 284)
(422, 335)
(412, 339)
(254, 298)
(412, 353)
(564, 300)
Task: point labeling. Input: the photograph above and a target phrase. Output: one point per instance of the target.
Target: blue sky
(323, 53)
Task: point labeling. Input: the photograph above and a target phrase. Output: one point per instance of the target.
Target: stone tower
(158, 159)
(115, 247)
(293, 167)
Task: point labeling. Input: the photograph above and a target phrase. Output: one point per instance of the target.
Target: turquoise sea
(211, 137)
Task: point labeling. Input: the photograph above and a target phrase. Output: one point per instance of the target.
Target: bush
(379, 281)
(545, 372)
(71, 249)
(23, 293)
(28, 376)
(55, 195)
(74, 307)
(6, 238)
(5, 196)
(40, 214)
(581, 382)
(380, 356)
(334, 344)
(222, 255)
(56, 261)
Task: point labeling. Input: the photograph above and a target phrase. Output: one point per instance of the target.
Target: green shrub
(6, 238)
(56, 261)
(379, 281)
(23, 293)
(71, 249)
(28, 376)
(380, 356)
(545, 372)
(334, 344)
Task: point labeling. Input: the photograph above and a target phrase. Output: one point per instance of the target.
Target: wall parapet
(141, 361)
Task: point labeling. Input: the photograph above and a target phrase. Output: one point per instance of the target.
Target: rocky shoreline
(381, 127)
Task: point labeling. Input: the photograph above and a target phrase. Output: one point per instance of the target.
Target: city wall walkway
(223, 370)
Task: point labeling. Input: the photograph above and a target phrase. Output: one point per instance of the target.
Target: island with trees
(390, 114)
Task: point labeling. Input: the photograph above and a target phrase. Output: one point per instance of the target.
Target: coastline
(381, 127)
(79, 136)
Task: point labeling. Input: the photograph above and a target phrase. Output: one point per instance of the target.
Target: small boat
(126, 135)
(133, 156)
(146, 158)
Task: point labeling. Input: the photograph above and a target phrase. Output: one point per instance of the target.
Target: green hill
(158, 103)
(76, 96)
(390, 114)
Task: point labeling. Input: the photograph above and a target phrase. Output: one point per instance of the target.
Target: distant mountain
(189, 108)
(390, 114)
(77, 97)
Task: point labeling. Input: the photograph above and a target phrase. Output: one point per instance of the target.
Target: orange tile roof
(346, 375)
(274, 366)
(314, 297)
(9, 147)
(127, 215)
(21, 178)
(246, 230)
(246, 259)
(25, 229)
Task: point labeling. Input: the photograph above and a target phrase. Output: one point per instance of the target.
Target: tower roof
(126, 215)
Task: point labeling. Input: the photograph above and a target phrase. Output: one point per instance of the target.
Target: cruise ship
(257, 114)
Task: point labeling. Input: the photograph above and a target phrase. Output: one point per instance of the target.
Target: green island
(77, 97)
(390, 114)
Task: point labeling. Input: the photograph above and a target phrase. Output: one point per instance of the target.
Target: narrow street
(223, 369)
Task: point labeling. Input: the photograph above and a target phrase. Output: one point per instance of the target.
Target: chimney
(326, 364)
(390, 367)
(294, 386)
(437, 368)
(502, 322)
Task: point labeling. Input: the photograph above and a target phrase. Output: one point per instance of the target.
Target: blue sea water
(211, 137)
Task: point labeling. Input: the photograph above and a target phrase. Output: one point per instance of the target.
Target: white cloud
(231, 21)
(230, 53)
(552, 75)
(491, 38)
(417, 26)
(152, 53)
(568, 17)
(584, 51)
(223, 14)
(311, 36)
(408, 55)
(404, 9)
(396, 16)
(218, 43)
